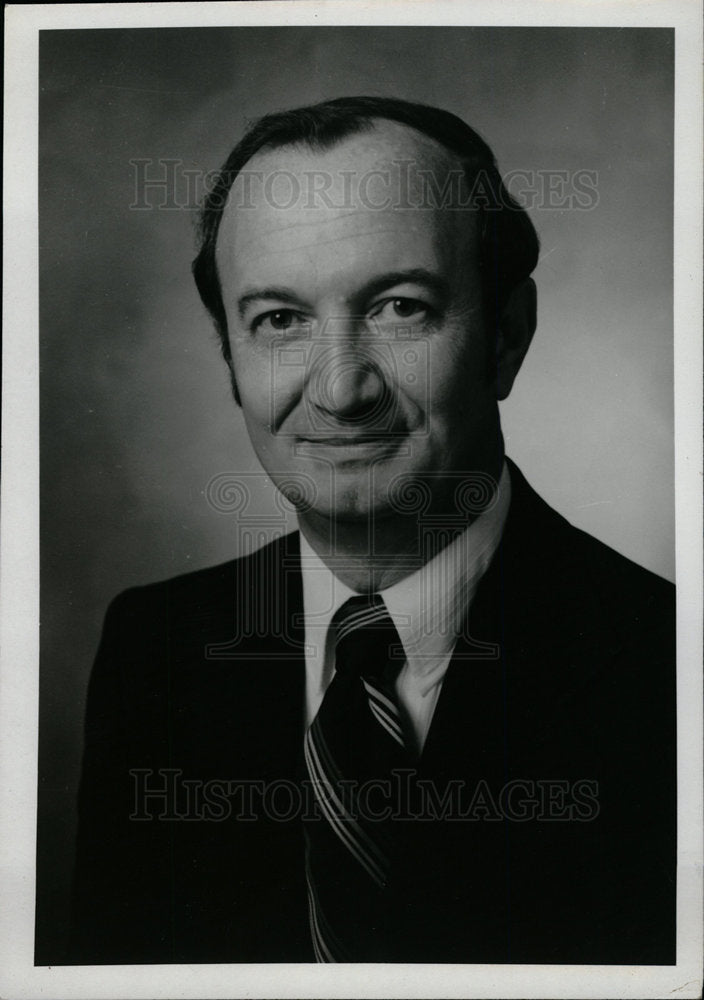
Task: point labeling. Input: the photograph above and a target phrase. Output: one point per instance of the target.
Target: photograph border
(19, 566)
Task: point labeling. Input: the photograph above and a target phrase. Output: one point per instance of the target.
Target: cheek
(252, 378)
(456, 376)
(269, 388)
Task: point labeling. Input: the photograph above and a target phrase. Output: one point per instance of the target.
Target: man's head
(368, 275)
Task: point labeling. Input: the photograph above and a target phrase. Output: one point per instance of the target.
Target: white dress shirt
(428, 609)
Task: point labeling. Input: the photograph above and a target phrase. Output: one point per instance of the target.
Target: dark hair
(509, 244)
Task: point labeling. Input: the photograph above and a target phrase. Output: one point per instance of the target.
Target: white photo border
(19, 568)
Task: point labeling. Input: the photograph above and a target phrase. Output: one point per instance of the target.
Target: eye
(279, 320)
(402, 308)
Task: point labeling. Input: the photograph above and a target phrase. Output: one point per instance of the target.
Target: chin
(352, 506)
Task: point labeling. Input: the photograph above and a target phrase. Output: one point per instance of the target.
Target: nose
(347, 382)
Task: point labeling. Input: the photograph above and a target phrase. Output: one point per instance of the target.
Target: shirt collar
(429, 606)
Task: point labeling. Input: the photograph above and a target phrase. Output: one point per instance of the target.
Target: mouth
(352, 446)
(347, 440)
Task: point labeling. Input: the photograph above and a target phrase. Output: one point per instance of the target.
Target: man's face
(357, 331)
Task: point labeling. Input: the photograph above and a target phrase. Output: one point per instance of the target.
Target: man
(438, 724)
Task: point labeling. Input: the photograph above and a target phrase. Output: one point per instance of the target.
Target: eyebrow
(413, 275)
(260, 294)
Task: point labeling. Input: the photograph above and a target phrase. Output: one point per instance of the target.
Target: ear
(517, 324)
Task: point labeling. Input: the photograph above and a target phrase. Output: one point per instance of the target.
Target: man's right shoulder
(208, 605)
(212, 585)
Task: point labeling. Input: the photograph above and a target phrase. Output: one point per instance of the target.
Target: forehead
(375, 199)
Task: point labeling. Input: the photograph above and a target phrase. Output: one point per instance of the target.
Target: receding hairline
(357, 128)
(439, 156)
(400, 144)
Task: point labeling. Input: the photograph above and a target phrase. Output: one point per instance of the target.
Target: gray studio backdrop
(136, 416)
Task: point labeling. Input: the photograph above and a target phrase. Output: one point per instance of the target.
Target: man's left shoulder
(619, 580)
(576, 560)
(632, 615)
(580, 592)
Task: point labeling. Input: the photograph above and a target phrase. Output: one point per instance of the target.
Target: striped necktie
(351, 749)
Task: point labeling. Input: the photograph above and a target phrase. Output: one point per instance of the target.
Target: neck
(373, 553)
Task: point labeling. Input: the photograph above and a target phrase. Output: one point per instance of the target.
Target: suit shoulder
(634, 604)
(619, 573)
(212, 584)
(580, 582)
(570, 554)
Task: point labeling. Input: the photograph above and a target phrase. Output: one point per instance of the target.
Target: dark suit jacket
(565, 675)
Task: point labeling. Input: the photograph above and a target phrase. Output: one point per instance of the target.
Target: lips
(349, 440)
(349, 449)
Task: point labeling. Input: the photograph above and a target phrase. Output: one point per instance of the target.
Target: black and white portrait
(357, 497)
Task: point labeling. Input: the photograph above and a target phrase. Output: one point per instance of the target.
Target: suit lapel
(273, 663)
(467, 726)
(238, 671)
(517, 659)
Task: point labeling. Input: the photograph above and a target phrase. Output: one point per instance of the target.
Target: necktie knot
(366, 640)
